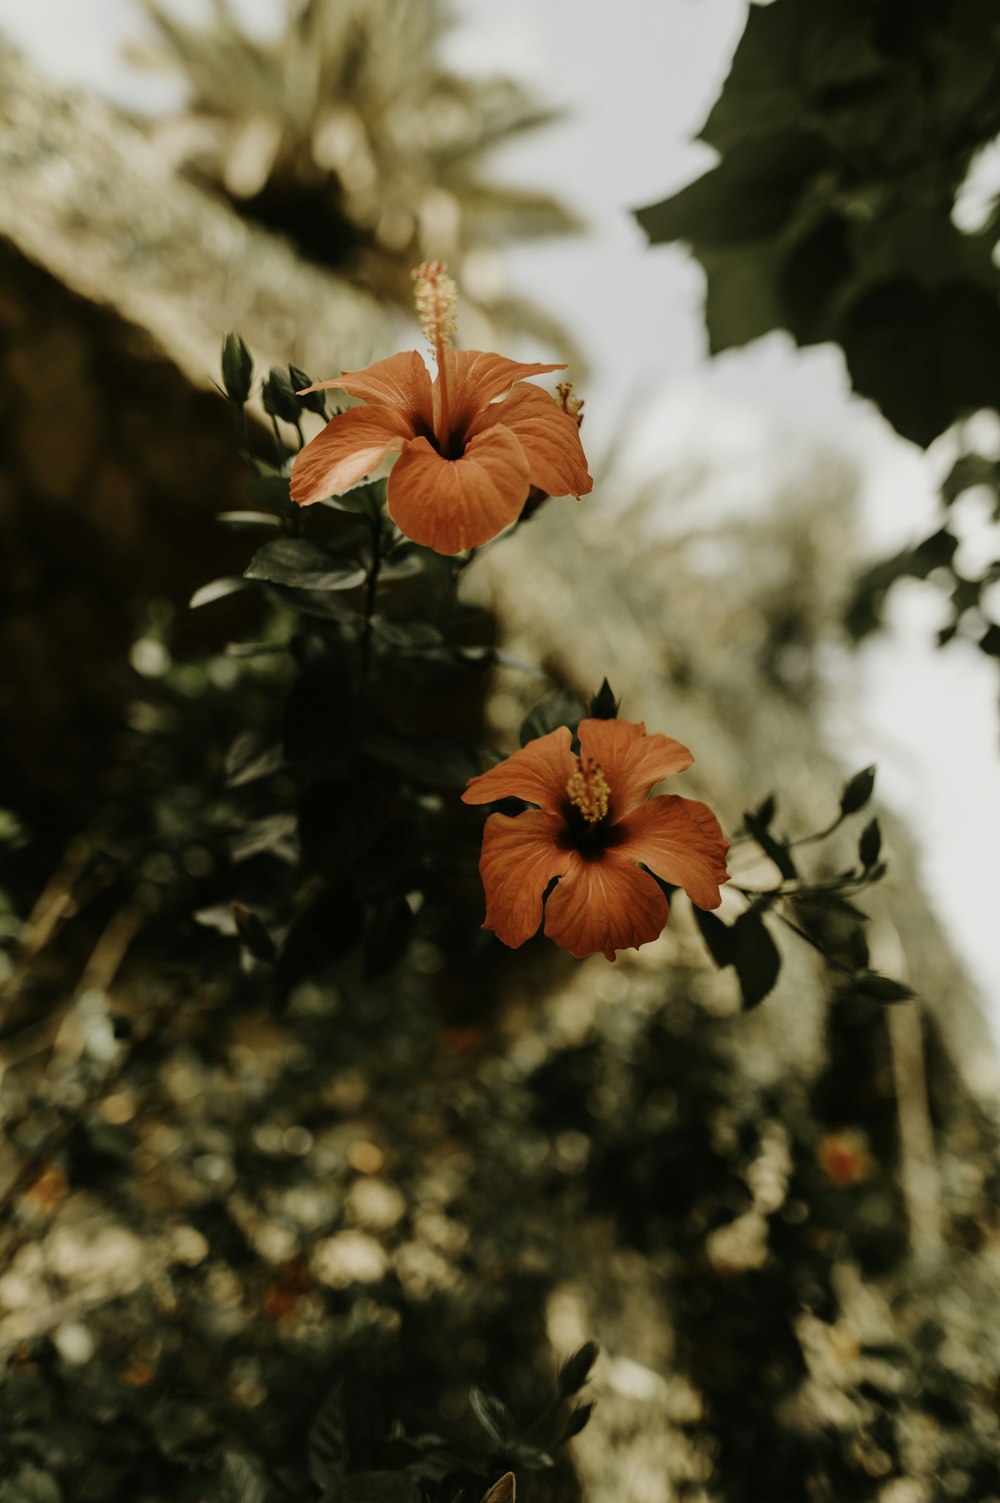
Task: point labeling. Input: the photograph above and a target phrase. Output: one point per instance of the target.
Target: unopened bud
(237, 368)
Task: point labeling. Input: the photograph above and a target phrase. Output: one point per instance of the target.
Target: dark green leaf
(340, 820)
(326, 929)
(882, 988)
(387, 936)
(301, 565)
(328, 1452)
(756, 958)
(217, 589)
(377, 1487)
(274, 833)
(576, 1369)
(272, 493)
(577, 1421)
(718, 936)
(857, 791)
(747, 196)
(969, 470)
(989, 642)
(870, 843)
(241, 519)
(251, 757)
(764, 813)
(494, 1416)
(558, 707)
(253, 934)
(243, 1480)
(237, 369)
(776, 850)
(437, 761)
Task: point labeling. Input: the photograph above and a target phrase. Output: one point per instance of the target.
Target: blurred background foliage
(853, 201)
(346, 133)
(334, 1235)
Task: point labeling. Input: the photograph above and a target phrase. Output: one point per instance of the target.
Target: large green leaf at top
(845, 129)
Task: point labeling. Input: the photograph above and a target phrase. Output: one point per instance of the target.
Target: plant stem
(371, 591)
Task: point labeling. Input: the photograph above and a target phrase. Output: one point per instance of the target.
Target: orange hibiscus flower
(466, 460)
(594, 824)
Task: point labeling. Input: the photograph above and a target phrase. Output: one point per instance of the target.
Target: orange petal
(538, 773)
(520, 858)
(630, 760)
(475, 377)
(403, 381)
(682, 842)
(451, 504)
(351, 445)
(605, 904)
(547, 435)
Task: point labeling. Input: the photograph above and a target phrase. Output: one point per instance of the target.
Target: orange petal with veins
(606, 904)
(520, 858)
(631, 761)
(350, 446)
(538, 773)
(475, 377)
(550, 439)
(451, 504)
(680, 840)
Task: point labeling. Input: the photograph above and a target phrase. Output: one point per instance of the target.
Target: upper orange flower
(466, 461)
(593, 826)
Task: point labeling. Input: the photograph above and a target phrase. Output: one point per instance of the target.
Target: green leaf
(926, 355)
(558, 707)
(577, 1421)
(31, 1485)
(718, 936)
(776, 850)
(870, 844)
(377, 1487)
(969, 470)
(274, 834)
(857, 791)
(989, 642)
(251, 757)
(437, 761)
(301, 565)
(882, 988)
(323, 932)
(756, 958)
(327, 1449)
(747, 197)
(217, 589)
(253, 934)
(243, 1480)
(494, 1416)
(272, 493)
(241, 519)
(576, 1369)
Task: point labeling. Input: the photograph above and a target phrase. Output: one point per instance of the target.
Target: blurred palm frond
(345, 132)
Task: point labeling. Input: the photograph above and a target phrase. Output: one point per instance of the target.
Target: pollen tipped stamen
(588, 791)
(436, 298)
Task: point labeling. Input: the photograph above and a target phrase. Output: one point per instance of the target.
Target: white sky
(637, 78)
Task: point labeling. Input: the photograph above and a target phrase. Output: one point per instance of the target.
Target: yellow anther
(436, 298)
(588, 791)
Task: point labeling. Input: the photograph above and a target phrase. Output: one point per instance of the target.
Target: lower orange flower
(594, 831)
